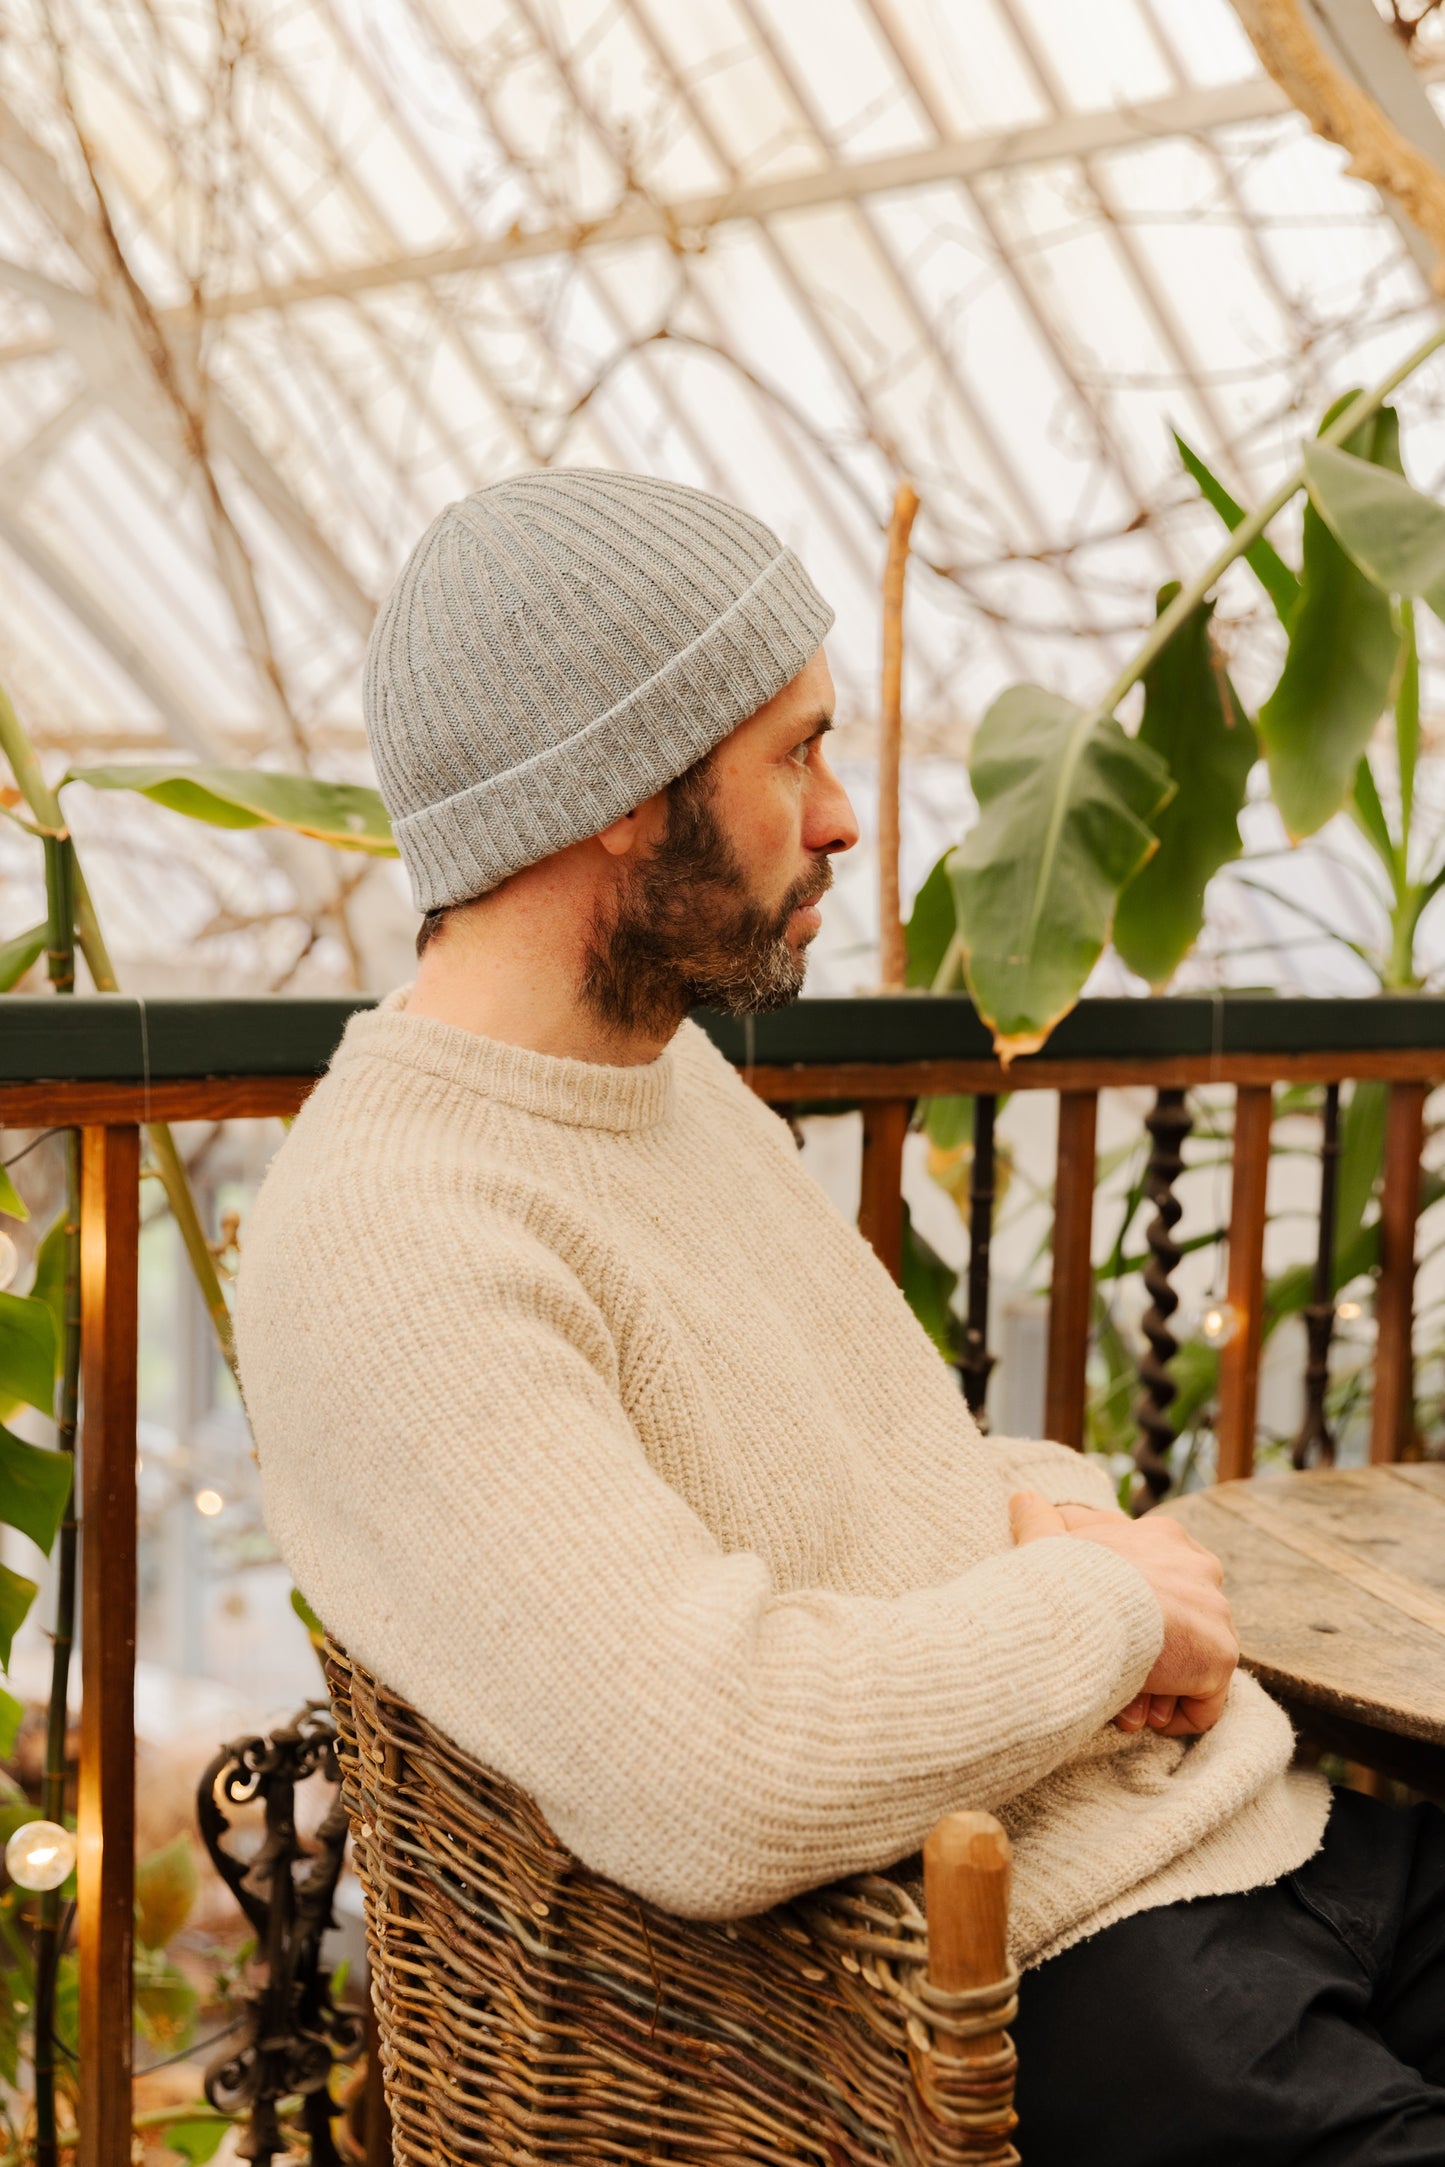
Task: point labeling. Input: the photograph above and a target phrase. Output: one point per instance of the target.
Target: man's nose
(830, 823)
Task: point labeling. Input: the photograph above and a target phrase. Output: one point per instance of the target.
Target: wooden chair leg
(971, 1988)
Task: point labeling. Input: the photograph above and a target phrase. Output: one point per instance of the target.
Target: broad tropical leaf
(165, 2003)
(1064, 804)
(34, 1489)
(12, 1714)
(1338, 671)
(1360, 1164)
(1193, 720)
(1370, 818)
(1388, 529)
(346, 815)
(12, 1203)
(48, 1284)
(948, 1122)
(16, 1595)
(931, 926)
(1263, 559)
(16, 956)
(928, 1285)
(198, 2138)
(27, 1352)
(165, 1893)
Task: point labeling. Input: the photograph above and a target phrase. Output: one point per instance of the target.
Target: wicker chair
(530, 2010)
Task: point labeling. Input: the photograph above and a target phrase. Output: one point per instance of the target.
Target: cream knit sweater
(586, 1421)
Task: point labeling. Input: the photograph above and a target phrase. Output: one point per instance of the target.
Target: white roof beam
(684, 221)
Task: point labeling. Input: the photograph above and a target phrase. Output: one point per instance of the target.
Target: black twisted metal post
(1315, 1436)
(292, 2034)
(1168, 1124)
(977, 1362)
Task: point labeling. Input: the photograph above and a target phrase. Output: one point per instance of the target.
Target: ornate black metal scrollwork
(1168, 1125)
(977, 1361)
(1315, 1439)
(292, 2034)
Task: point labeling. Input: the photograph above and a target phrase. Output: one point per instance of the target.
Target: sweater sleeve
(490, 1537)
(1063, 1476)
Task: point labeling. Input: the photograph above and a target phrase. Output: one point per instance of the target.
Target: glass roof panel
(360, 256)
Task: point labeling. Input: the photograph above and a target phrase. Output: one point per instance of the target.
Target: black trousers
(1303, 2023)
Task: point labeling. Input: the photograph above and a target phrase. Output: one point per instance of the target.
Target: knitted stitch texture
(587, 1423)
(557, 648)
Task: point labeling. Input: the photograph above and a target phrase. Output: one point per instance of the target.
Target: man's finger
(1161, 1711)
(1196, 1713)
(1132, 1717)
(1032, 1517)
(1083, 1516)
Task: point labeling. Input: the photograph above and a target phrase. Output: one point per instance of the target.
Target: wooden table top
(1337, 1579)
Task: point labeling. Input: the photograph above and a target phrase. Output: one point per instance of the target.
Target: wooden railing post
(880, 1202)
(109, 1236)
(1071, 1290)
(1395, 1294)
(1239, 1357)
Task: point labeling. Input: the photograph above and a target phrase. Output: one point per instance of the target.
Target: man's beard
(685, 932)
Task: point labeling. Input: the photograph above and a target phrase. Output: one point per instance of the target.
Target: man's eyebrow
(823, 724)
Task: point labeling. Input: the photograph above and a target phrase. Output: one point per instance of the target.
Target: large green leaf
(198, 2138)
(1390, 530)
(16, 956)
(12, 1203)
(48, 1284)
(1064, 801)
(930, 927)
(16, 1595)
(1263, 559)
(166, 2003)
(1360, 1164)
(346, 815)
(1338, 670)
(928, 1285)
(948, 1122)
(34, 1489)
(1370, 817)
(1193, 720)
(165, 1892)
(27, 1352)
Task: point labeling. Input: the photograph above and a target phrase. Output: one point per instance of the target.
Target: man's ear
(622, 836)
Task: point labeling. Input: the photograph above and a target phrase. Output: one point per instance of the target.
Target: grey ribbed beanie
(557, 648)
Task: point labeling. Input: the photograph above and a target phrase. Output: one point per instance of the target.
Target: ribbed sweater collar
(585, 1093)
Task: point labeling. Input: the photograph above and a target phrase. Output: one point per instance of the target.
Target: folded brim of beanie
(465, 844)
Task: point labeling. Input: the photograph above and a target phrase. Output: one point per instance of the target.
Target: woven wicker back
(530, 2010)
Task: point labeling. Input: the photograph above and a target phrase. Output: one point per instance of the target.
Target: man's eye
(799, 753)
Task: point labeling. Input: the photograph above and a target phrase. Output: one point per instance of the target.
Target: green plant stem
(45, 805)
(60, 892)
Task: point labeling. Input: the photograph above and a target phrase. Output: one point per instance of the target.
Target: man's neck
(510, 967)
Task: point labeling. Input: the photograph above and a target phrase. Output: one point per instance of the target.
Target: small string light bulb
(1347, 1312)
(1219, 1324)
(40, 1855)
(9, 1261)
(210, 1502)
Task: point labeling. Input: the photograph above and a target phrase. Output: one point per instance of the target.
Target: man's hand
(1185, 1692)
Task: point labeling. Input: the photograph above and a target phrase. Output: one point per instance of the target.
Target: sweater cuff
(1099, 1601)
